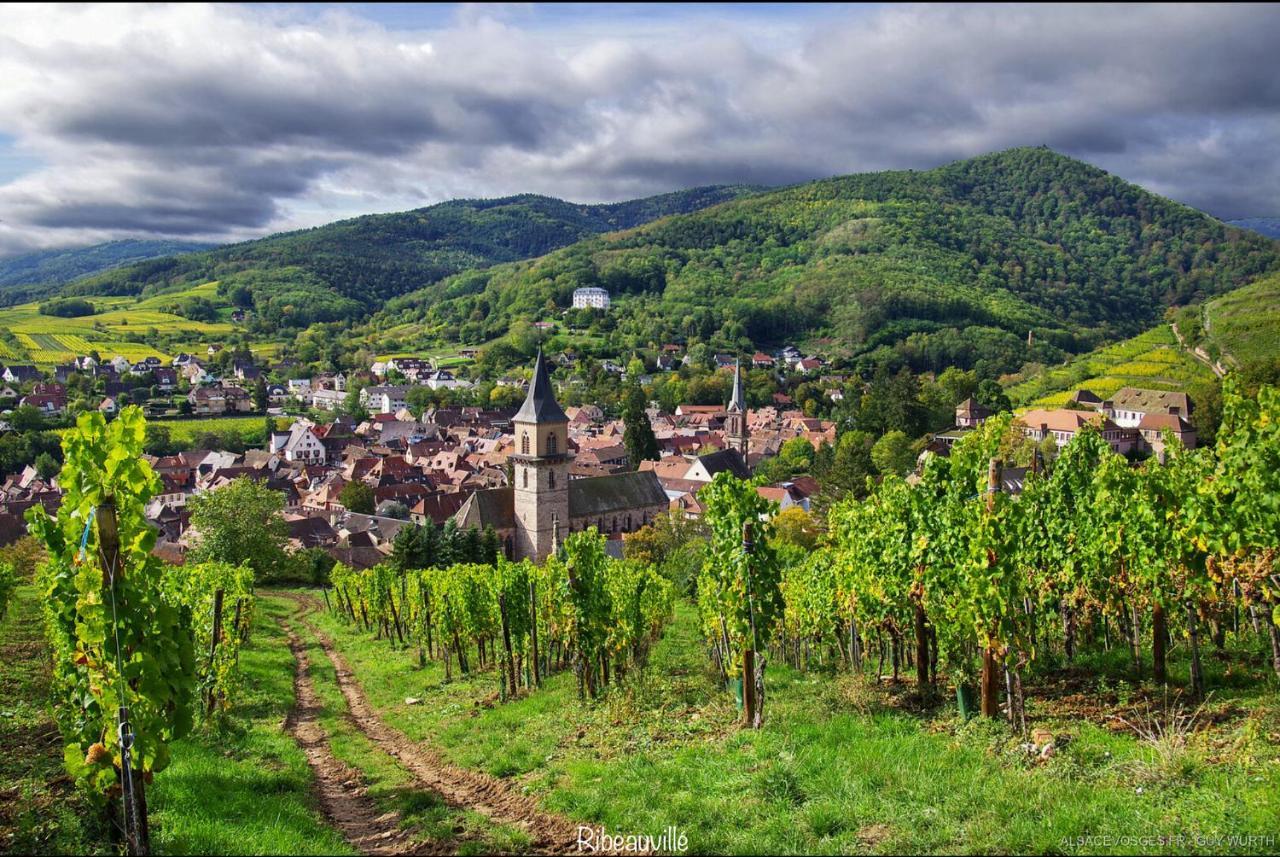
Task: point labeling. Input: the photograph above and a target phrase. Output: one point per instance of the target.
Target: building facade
(590, 298)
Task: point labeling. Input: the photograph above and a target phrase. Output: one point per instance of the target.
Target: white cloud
(222, 122)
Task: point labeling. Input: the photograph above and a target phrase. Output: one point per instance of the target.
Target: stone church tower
(735, 421)
(540, 468)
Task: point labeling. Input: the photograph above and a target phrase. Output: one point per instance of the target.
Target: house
(20, 373)
(443, 379)
(705, 467)
(166, 378)
(1152, 430)
(1062, 425)
(1128, 407)
(303, 445)
(46, 403)
(971, 414)
(207, 401)
(590, 297)
(760, 360)
(327, 400)
(384, 399)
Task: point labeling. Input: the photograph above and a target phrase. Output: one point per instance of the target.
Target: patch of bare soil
(343, 798)
(458, 787)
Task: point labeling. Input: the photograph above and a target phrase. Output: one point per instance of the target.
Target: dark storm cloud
(224, 122)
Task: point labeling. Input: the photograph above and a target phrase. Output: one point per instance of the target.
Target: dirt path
(459, 787)
(342, 797)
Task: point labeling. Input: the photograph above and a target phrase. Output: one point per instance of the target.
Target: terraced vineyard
(49, 340)
(1151, 360)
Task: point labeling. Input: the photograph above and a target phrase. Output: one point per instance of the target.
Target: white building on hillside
(592, 297)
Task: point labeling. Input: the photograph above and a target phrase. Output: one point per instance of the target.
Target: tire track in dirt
(344, 801)
(458, 787)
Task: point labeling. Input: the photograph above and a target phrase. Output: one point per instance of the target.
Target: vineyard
(1151, 360)
(48, 340)
(949, 649)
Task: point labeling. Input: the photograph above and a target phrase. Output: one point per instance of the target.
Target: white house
(303, 445)
(590, 297)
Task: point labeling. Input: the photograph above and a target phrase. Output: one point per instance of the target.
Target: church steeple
(735, 421)
(540, 467)
(540, 406)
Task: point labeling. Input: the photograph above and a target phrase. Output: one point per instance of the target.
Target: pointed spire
(737, 402)
(540, 405)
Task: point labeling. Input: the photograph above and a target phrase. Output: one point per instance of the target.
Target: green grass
(388, 783)
(40, 811)
(838, 767)
(244, 789)
(1151, 360)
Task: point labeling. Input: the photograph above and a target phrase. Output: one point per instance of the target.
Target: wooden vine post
(137, 829)
(750, 705)
(213, 642)
(990, 692)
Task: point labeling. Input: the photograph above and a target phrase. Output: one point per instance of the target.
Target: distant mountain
(45, 270)
(1268, 226)
(1020, 256)
(347, 269)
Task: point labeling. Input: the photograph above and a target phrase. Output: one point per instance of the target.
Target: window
(551, 478)
(524, 444)
(551, 443)
(526, 478)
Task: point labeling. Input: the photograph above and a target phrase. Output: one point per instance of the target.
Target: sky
(228, 122)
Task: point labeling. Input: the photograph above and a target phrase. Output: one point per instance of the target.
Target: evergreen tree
(638, 433)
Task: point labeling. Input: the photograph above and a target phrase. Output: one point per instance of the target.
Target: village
(466, 467)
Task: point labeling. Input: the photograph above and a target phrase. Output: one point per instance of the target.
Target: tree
(638, 433)
(260, 395)
(46, 466)
(797, 527)
(991, 395)
(357, 497)
(241, 523)
(893, 454)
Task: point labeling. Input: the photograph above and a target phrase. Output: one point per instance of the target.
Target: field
(48, 340)
(1151, 360)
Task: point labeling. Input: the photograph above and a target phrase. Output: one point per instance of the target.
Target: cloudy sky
(227, 122)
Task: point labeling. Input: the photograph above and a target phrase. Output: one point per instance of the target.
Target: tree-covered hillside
(344, 270)
(951, 266)
(44, 271)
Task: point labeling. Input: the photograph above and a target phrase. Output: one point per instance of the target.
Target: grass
(1151, 360)
(40, 810)
(244, 789)
(838, 768)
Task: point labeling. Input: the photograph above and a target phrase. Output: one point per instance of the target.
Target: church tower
(735, 421)
(540, 467)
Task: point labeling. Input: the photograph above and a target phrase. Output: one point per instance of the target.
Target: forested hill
(346, 269)
(45, 270)
(950, 266)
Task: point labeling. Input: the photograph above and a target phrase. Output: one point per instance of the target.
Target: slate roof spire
(737, 402)
(540, 405)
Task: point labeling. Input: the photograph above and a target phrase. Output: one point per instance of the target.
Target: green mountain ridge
(32, 275)
(950, 266)
(347, 269)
